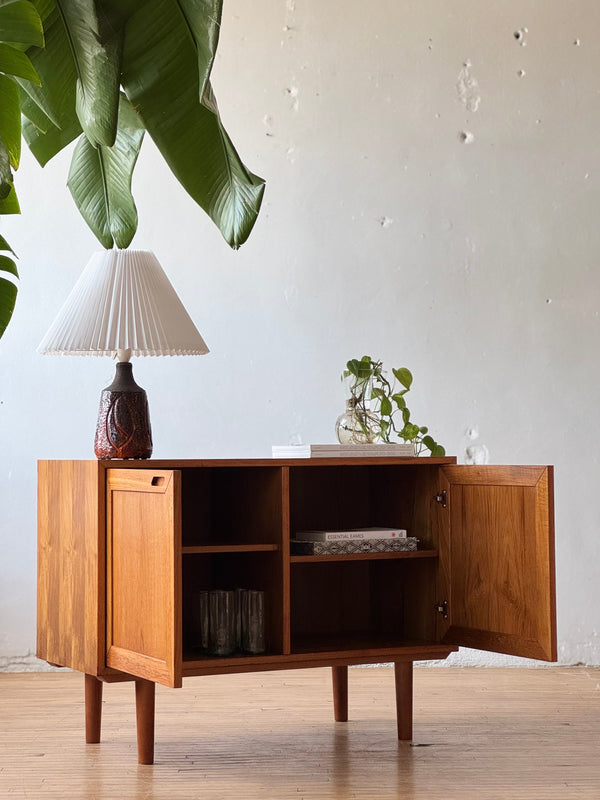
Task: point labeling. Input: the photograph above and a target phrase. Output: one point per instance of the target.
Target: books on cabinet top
(351, 534)
(342, 450)
(352, 546)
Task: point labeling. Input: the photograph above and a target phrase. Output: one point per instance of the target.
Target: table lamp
(123, 305)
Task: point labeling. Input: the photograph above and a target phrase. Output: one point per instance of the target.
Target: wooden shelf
(364, 556)
(196, 657)
(229, 548)
(361, 642)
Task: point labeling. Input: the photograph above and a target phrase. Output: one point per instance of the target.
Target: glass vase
(357, 426)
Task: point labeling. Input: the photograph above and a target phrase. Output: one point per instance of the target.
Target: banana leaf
(20, 24)
(56, 69)
(100, 181)
(14, 62)
(10, 119)
(8, 291)
(4, 245)
(203, 18)
(160, 78)
(96, 49)
(6, 176)
(10, 204)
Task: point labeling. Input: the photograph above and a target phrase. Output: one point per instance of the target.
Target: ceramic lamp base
(123, 428)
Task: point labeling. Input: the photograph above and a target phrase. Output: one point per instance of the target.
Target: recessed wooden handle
(158, 480)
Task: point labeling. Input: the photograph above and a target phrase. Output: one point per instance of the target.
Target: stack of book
(353, 540)
(396, 450)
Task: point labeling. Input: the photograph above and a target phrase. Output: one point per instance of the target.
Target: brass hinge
(442, 498)
(442, 608)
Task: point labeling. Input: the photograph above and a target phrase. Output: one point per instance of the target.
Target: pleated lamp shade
(123, 304)
(123, 301)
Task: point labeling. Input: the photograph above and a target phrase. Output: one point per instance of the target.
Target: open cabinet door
(143, 558)
(497, 560)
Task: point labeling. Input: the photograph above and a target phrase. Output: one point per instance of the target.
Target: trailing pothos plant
(382, 405)
(103, 72)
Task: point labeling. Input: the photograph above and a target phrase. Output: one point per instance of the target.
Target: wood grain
(71, 589)
(497, 560)
(339, 679)
(144, 625)
(478, 734)
(93, 709)
(145, 714)
(403, 676)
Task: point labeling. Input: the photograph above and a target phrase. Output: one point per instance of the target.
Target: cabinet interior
(231, 505)
(362, 604)
(248, 570)
(364, 496)
(236, 526)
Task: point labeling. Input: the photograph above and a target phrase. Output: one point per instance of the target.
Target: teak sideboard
(124, 547)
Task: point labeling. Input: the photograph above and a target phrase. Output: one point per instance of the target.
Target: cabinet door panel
(144, 573)
(497, 560)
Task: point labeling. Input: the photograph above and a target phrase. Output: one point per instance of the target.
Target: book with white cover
(405, 449)
(352, 534)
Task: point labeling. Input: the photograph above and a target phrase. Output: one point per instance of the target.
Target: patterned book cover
(349, 546)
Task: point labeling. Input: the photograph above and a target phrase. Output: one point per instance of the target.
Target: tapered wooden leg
(340, 693)
(404, 698)
(144, 710)
(93, 709)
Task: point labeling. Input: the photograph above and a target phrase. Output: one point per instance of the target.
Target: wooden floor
(507, 734)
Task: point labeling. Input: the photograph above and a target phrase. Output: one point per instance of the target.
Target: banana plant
(105, 72)
(20, 28)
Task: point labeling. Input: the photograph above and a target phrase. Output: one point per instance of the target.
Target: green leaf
(8, 290)
(386, 406)
(405, 415)
(411, 431)
(353, 366)
(44, 138)
(46, 142)
(96, 50)
(44, 8)
(4, 245)
(14, 62)
(8, 265)
(6, 177)
(438, 450)
(10, 204)
(203, 18)
(384, 427)
(399, 400)
(20, 23)
(429, 442)
(56, 68)
(403, 376)
(10, 119)
(8, 297)
(100, 181)
(31, 111)
(423, 430)
(363, 369)
(160, 77)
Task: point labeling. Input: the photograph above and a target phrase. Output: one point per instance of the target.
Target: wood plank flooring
(485, 734)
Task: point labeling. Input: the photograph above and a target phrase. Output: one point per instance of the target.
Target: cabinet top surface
(177, 463)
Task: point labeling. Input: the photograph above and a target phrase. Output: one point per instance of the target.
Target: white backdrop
(433, 185)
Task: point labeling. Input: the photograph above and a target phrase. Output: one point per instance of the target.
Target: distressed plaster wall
(433, 186)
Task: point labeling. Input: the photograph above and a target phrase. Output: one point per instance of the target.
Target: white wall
(473, 263)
